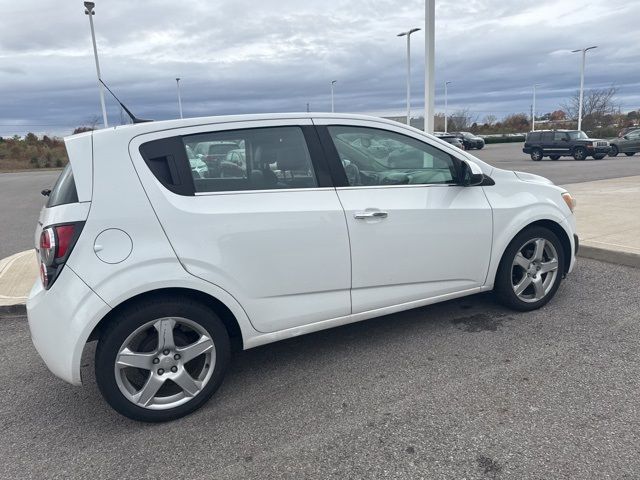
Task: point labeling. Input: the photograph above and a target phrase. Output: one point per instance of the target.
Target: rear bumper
(60, 321)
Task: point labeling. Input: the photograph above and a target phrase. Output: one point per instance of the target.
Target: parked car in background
(166, 270)
(470, 140)
(564, 143)
(451, 138)
(628, 144)
(626, 130)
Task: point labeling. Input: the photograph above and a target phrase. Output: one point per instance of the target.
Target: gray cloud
(277, 55)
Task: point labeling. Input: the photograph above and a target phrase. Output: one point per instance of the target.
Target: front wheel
(613, 151)
(530, 271)
(161, 360)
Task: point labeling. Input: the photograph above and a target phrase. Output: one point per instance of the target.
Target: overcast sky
(239, 56)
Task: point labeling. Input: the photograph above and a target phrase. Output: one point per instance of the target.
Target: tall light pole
(533, 108)
(584, 54)
(89, 6)
(408, 35)
(333, 82)
(429, 56)
(179, 98)
(446, 116)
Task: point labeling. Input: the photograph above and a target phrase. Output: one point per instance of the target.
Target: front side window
(371, 156)
(577, 135)
(559, 136)
(250, 159)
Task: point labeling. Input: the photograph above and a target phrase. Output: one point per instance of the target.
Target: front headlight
(569, 200)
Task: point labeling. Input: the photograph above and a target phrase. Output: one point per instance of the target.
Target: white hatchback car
(166, 266)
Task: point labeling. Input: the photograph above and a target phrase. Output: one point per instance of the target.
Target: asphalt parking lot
(564, 171)
(465, 389)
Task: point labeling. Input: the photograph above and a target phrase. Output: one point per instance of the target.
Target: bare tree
(597, 104)
(489, 119)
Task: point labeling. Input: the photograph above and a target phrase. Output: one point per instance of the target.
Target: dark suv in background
(470, 140)
(564, 143)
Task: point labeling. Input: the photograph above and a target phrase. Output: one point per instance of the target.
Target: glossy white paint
(281, 260)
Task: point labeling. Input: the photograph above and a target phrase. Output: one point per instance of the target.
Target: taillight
(56, 243)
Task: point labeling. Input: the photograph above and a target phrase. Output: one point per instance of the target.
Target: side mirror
(626, 137)
(471, 174)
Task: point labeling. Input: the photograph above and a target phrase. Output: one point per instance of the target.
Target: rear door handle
(370, 214)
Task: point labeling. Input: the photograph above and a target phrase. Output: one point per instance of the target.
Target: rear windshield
(64, 191)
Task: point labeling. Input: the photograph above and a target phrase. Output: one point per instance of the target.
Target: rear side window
(533, 137)
(64, 191)
(250, 159)
(547, 137)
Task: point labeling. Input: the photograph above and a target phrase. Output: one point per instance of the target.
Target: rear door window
(547, 137)
(250, 159)
(64, 191)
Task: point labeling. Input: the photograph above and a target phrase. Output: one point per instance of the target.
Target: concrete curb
(18, 272)
(610, 256)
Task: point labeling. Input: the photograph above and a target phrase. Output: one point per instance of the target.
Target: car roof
(156, 126)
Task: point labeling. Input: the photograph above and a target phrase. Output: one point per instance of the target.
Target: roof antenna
(134, 119)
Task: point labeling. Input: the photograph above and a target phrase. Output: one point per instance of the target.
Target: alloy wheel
(534, 270)
(165, 363)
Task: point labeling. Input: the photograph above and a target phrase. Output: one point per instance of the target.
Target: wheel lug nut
(161, 371)
(165, 351)
(174, 369)
(176, 356)
(156, 360)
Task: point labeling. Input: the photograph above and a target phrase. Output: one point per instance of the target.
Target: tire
(554, 157)
(613, 151)
(512, 274)
(630, 154)
(480, 146)
(138, 328)
(580, 153)
(537, 154)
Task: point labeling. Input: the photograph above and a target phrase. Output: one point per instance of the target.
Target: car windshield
(577, 135)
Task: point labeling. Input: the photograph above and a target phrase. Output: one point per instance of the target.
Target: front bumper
(598, 150)
(60, 321)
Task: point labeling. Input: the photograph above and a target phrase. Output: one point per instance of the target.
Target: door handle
(370, 214)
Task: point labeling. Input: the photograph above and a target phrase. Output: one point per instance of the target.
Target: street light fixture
(89, 6)
(446, 116)
(584, 54)
(533, 108)
(429, 55)
(333, 82)
(408, 35)
(179, 98)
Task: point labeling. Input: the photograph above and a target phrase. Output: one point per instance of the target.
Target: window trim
(339, 175)
(154, 148)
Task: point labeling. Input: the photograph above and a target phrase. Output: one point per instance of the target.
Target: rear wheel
(530, 271)
(536, 154)
(613, 151)
(554, 157)
(630, 154)
(161, 360)
(579, 153)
